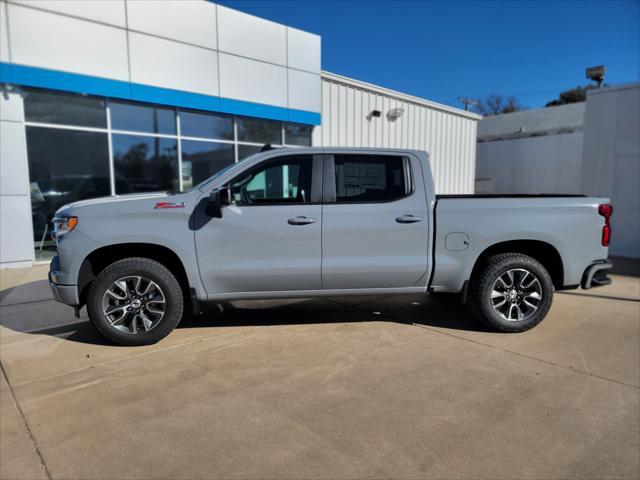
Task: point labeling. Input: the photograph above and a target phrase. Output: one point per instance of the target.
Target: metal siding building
(447, 133)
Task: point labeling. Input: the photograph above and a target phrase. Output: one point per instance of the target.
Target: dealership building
(111, 97)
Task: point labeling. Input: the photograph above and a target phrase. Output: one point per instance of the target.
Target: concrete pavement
(368, 387)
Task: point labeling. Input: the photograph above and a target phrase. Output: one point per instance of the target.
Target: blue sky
(441, 50)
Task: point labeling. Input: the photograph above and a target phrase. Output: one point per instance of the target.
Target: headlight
(62, 225)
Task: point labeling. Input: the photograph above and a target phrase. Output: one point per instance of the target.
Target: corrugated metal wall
(448, 134)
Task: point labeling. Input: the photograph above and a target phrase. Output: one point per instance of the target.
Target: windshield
(224, 170)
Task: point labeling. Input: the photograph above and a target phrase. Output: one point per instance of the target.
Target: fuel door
(456, 241)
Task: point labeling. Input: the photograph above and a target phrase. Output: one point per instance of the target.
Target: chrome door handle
(408, 219)
(301, 220)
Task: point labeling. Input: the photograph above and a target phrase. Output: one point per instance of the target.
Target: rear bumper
(67, 294)
(596, 275)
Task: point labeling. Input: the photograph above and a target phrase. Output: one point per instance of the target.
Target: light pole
(596, 74)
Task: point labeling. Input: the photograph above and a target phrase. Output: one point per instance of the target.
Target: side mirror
(218, 199)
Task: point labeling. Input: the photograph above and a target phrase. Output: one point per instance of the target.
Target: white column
(16, 230)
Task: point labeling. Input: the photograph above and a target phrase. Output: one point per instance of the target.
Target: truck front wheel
(512, 293)
(135, 301)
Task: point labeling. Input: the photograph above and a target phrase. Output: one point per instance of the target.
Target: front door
(268, 239)
(375, 226)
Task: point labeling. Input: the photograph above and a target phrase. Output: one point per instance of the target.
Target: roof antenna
(266, 147)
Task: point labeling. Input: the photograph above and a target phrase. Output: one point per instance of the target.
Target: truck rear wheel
(513, 293)
(135, 301)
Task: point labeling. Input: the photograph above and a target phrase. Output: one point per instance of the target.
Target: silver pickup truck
(308, 222)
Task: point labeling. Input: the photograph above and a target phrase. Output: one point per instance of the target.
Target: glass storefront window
(295, 134)
(142, 118)
(67, 163)
(64, 108)
(145, 164)
(258, 130)
(245, 150)
(200, 160)
(205, 125)
(64, 166)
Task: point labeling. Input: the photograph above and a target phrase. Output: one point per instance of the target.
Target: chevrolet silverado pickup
(305, 222)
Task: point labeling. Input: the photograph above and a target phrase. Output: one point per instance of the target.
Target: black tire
(498, 266)
(131, 267)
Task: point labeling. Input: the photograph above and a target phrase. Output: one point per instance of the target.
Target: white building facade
(111, 97)
(611, 161)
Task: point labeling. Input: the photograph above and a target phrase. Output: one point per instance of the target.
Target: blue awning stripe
(78, 83)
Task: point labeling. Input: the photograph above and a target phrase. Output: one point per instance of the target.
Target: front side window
(283, 181)
(371, 178)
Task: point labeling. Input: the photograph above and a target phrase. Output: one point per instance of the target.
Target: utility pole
(466, 101)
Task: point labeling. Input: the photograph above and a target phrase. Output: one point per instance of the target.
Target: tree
(495, 104)
(574, 95)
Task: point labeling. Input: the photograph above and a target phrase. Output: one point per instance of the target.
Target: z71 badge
(169, 205)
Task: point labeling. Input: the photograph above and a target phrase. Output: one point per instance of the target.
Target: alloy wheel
(516, 295)
(134, 304)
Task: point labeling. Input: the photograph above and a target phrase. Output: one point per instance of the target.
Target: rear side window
(371, 178)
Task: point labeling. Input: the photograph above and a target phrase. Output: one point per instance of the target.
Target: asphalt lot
(367, 387)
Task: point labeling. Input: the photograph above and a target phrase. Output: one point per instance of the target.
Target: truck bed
(467, 225)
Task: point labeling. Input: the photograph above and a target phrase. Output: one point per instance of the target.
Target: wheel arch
(543, 252)
(100, 258)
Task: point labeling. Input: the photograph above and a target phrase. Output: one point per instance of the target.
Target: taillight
(606, 211)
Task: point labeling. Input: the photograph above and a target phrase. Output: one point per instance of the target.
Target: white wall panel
(303, 50)
(14, 173)
(304, 91)
(448, 134)
(169, 64)
(4, 34)
(47, 40)
(170, 44)
(545, 164)
(254, 81)
(243, 34)
(15, 229)
(105, 11)
(16, 232)
(191, 21)
(611, 161)
(11, 107)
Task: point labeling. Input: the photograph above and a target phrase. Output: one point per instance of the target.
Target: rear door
(375, 228)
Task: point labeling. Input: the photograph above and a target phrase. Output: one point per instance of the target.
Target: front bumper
(67, 294)
(596, 275)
